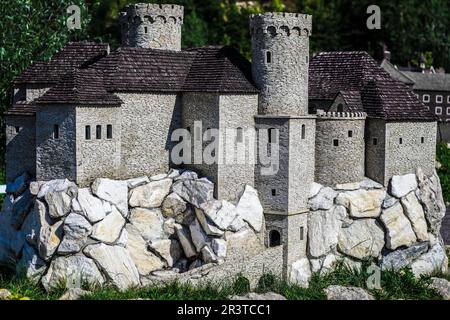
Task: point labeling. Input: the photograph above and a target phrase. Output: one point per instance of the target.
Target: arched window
(274, 238)
(303, 131)
(340, 108)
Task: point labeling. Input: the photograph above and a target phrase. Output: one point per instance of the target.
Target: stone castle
(337, 117)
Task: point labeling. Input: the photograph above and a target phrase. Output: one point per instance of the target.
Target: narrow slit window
(268, 57)
(55, 131)
(239, 135)
(302, 233)
(422, 140)
(303, 131)
(109, 131)
(145, 30)
(17, 129)
(336, 142)
(400, 140)
(98, 132)
(87, 132)
(350, 133)
(274, 192)
(375, 141)
(307, 59)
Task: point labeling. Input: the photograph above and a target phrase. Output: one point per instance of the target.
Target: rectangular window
(307, 59)
(400, 140)
(350, 133)
(374, 141)
(448, 111)
(302, 233)
(303, 131)
(98, 132)
(268, 57)
(335, 142)
(109, 131)
(422, 140)
(17, 129)
(426, 98)
(439, 99)
(87, 132)
(145, 30)
(274, 192)
(438, 110)
(239, 135)
(55, 131)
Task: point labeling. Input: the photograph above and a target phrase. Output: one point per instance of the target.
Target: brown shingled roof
(21, 108)
(381, 96)
(81, 87)
(353, 100)
(72, 55)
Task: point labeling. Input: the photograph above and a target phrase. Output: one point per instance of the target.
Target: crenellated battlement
(151, 13)
(281, 23)
(341, 115)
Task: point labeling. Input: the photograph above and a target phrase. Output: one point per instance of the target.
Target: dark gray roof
(395, 73)
(353, 100)
(80, 87)
(22, 108)
(429, 81)
(381, 95)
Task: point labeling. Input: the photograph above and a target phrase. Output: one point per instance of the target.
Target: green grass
(395, 285)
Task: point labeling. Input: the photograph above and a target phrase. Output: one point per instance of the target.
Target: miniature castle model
(91, 113)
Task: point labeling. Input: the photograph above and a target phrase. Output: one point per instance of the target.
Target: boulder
(206, 223)
(74, 294)
(196, 192)
(150, 195)
(347, 293)
(323, 265)
(323, 230)
(168, 249)
(248, 208)
(401, 258)
(220, 248)
(314, 190)
(18, 185)
(149, 222)
(123, 275)
(186, 174)
(145, 261)
(20, 209)
(71, 272)
(114, 191)
(76, 231)
(49, 239)
(198, 236)
(136, 182)
(399, 231)
(368, 183)
(91, 207)
(362, 203)
(30, 264)
(400, 186)
(221, 213)
(173, 205)
(158, 177)
(208, 254)
(259, 296)
(36, 221)
(185, 241)
(59, 204)
(414, 211)
(300, 273)
(323, 200)
(435, 260)
(361, 239)
(441, 286)
(57, 185)
(108, 230)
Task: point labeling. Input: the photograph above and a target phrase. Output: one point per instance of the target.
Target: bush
(241, 285)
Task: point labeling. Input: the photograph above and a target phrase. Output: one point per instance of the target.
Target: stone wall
(56, 158)
(97, 157)
(375, 136)
(283, 80)
(20, 146)
(147, 124)
(342, 163)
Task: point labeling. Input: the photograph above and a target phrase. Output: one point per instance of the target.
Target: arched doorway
(274, 238)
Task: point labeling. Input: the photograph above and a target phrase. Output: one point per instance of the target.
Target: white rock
(243, 244)
(414, 211)
(76, 231)
(399, 230)
(361, 239)
(38, 219)
(150, 195)
(92, 207)
(169, 249)
(259, 296)
(34, 187)
(208, 255)
(74, 294)
(72, 271)
(220, 248)
(347, 293)
(362, 203)
(348, 186)
(108, 230)
(149, 222)
(323, 230)
(300, 273)
(173, 173)
(314, 190)
(323, 200)
(30, 264)
(56, 186)
(186, 174)
(145, 261)
(123, 238)
(114, 191)
(196, 192)
(221, 213)
(173, 205)
(389, 202)
(49, 239)
(59, 204)
(116, 263)
(442, 286)
(400, 186)
(169, 227)
(18, 185)
(185, 241)
(249, 208)
(431, 262)
(75, 206)
(158, 177)
(136, 182)
(199, 237)
(368, 183)
(206, 223)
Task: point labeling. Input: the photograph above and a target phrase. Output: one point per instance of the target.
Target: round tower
(280, 45)
(156, 26)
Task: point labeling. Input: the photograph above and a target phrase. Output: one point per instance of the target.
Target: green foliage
(241, 285)
(443, 157)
